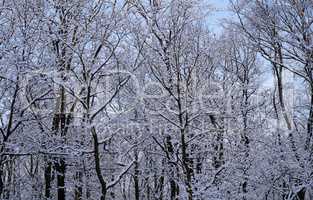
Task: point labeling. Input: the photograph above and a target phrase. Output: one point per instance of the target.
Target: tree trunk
(174, 189)
(310, 122)
(98, 165)
(136, 177)
(60, 169)
(188, 169)
(48, 179)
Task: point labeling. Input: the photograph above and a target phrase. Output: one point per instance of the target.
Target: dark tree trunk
(61, 169)
(48, 179)
(98, 165)
(174, 190)
(136, 177)
(310, 123)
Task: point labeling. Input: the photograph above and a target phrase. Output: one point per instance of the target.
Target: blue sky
(222, 3)
(221, 12)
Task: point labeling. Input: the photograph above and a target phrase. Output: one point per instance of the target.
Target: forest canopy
(142, 100)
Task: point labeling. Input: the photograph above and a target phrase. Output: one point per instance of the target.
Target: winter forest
(142, 100)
